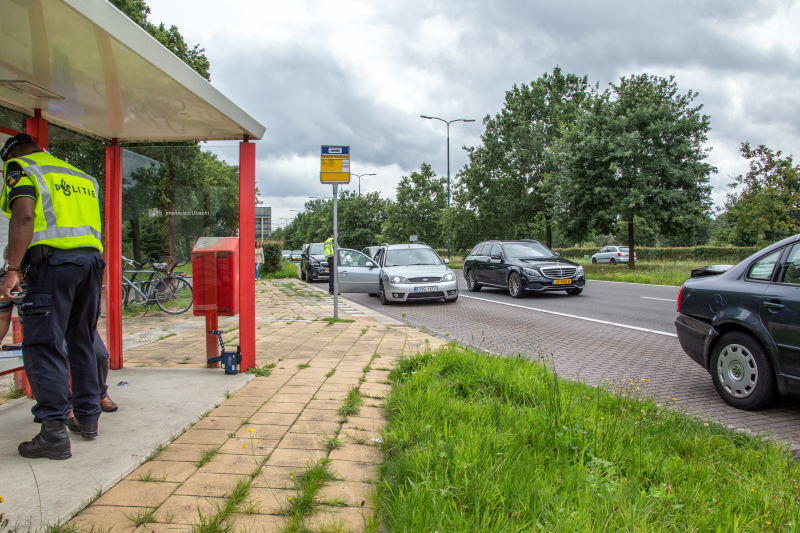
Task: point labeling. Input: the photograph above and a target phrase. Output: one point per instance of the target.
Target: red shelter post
(113, 249)
(247, 254)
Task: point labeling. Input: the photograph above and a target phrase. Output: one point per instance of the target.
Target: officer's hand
(9, 283)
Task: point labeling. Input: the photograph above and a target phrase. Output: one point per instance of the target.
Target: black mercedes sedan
(313, 264)
(520, 267)
(742, 324)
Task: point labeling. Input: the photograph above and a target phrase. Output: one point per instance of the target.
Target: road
(613, 334)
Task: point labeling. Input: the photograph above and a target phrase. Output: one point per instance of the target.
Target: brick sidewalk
(258, 442)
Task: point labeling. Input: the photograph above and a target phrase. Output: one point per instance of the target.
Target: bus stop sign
(335, 164)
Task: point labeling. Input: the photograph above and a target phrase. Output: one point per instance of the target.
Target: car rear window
(623, 248)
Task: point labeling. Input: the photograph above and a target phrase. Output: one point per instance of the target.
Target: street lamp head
(469, 120)
(423, 116)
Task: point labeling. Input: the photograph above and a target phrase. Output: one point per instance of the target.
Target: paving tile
(137, 493)
(248, 446)
(358, 453)
(222, 422)
(320, 415)
(274, 419)
(261, 431)
(236, 411)
(202, 484)
(303, 441)
(204, 436)
(339, 519)
(250, 523)
(354, 471)
(315, 427)
(172, 471)
(231, 464)
(352, 493)
(365, 424)
(253, 399)
(181, 452)
(271, 501)
(294, 458)
(276, 477)
(163, 528)
(186, 509)
(283, 407)
(101, 517)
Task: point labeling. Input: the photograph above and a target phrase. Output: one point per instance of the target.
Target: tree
(421, 199)
(137, 11)
(768, 202)
(510, 177)
(637, 152)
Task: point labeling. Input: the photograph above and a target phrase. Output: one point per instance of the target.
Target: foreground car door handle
(774, 305)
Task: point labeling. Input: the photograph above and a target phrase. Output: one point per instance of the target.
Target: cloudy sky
(360, 73)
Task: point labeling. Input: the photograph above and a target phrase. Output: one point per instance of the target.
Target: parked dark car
(742, 324)
(521, 266)
(313, 264)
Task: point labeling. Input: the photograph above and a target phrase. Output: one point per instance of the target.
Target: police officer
(329, 253)
(55, 226)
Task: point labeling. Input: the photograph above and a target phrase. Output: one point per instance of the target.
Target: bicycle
(158, 289)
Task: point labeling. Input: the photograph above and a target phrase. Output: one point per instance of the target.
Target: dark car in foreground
(742, 324)
(521, 267)
(313, 264)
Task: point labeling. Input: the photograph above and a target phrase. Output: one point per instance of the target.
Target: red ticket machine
(215, 283)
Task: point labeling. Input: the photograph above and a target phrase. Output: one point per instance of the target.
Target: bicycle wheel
(174, 297)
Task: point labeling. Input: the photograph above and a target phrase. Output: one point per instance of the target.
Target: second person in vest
(329, 253)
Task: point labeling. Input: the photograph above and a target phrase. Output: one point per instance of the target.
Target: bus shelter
(83, 66)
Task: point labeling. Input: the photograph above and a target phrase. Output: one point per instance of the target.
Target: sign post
(335, 169)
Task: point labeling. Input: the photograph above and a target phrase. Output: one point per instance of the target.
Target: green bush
(272, 258)
(704, 254)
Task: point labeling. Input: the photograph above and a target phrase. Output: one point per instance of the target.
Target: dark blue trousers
(61, 305)
(330, 275)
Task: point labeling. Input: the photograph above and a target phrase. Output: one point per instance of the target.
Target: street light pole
(448, 122)
(359, 180)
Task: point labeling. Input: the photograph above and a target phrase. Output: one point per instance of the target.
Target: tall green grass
(288, 270)
(656, 273)
(476, 443)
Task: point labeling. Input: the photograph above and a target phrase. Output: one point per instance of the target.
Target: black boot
(51, 442)
(87, 431)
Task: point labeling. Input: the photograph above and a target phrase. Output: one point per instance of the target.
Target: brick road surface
(594, 353)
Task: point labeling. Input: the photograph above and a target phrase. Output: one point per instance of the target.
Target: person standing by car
(54, 225)
(259, 259)
(329, 257)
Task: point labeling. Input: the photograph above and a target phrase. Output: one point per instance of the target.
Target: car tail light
(619, 254)
(680, 297)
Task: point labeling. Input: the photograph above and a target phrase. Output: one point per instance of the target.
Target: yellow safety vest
(67, 211)
(329, 247)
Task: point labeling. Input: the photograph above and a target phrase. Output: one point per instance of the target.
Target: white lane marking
(573, 316)
(662, 299)
(632, 283)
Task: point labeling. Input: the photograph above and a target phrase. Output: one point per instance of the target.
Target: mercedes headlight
(398, 279)
(532, 271)
(448, 277)
(579, 272)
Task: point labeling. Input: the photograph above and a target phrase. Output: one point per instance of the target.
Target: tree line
(569, 164)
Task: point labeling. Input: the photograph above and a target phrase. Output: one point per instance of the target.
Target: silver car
(612, 255)
(398, 273)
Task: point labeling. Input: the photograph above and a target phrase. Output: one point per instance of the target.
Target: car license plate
(426, 289)
(562, 281)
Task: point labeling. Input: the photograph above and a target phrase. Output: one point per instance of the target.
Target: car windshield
(317, 249)
(412, 256)
(285, 252)
(526, 250)
(298, 252)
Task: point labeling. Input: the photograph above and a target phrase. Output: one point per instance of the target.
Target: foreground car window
(526, 250)
(414, 256)
(762, 269)
(792, 270)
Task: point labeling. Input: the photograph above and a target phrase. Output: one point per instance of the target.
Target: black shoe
(87, 431)
(51, 442)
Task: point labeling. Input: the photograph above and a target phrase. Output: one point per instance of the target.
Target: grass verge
(655, 273)
(288, 270)
(476, 443)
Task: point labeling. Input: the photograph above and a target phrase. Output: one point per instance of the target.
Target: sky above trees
(360, 73)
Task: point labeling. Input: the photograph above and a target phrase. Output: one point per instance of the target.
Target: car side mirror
(370, 264)
(446, 261)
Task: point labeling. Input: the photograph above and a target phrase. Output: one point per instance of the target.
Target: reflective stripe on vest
(329, 248)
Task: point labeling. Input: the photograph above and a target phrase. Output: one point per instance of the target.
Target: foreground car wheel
(612, 261)
(472, 283)
(515, 286)
(574, 292)
(594, 260)
(742, 373)
(382, 295)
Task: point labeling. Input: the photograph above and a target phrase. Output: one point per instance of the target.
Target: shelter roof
(91, 69)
